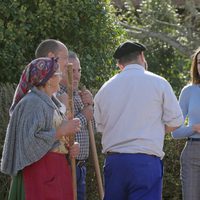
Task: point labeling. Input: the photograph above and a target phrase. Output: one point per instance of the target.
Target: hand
(68, 128)
(169, 129)
(196, 128)
(87, 111)
(86, 97)
(74, 150)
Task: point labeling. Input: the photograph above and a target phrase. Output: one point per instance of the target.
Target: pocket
(185, 154)
(50, 180)
(107, 169)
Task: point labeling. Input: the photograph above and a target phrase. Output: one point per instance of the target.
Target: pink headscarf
(36, 73)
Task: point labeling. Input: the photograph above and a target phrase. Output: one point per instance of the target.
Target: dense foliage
(89, 28)
(6, 95)
(85, 26)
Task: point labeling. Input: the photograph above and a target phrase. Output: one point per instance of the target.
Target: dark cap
(128, 47)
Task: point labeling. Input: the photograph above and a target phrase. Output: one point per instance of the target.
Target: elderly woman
(36, 142)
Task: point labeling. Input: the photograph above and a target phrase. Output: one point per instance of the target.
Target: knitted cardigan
(30, 133)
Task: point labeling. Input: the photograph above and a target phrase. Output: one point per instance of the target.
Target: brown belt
(111, 153)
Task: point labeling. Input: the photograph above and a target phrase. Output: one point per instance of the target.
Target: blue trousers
(133, 177)
(81, 182)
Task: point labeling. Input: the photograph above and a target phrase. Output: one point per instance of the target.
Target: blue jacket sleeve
(185, 130)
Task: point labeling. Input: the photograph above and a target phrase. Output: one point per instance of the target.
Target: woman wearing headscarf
(36, 142)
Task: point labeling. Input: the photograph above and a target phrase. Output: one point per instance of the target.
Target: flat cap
(128, 47)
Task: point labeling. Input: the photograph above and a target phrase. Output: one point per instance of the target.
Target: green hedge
(171, 185)
(86, 26)
(6, 95)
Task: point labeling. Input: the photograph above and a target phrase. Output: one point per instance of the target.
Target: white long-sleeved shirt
(131, 110)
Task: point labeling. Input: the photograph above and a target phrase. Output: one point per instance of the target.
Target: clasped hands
(87, 99)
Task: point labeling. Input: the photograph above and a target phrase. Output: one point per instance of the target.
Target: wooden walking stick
(95, 157)
(95, 160)
(70, 115)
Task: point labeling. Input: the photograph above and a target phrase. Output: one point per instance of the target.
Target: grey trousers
(190, 171)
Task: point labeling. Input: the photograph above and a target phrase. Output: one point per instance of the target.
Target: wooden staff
(95, 157)
(95, 160)
(70, 115)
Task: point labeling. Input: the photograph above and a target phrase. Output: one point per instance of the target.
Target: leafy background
(93, 29)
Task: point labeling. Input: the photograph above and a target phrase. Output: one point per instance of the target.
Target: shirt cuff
(176, 122)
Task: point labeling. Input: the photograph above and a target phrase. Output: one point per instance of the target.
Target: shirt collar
(133, 66)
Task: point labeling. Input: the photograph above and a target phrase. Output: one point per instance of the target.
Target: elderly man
(83, 109)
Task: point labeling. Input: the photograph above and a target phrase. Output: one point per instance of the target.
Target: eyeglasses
(58, 74)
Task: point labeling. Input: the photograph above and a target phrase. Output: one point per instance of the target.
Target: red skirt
(48, 179)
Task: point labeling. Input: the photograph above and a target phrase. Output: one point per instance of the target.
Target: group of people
(133, 111)
(36, 151)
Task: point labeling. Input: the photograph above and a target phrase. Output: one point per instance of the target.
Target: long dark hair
(195, 77)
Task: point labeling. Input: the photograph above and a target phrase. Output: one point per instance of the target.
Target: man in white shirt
(133, 110)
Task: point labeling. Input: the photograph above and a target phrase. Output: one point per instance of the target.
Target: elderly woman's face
(198, 63)
(55, 80)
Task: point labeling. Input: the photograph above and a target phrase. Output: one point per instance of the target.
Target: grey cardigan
(30, 134)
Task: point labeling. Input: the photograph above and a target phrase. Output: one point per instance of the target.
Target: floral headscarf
(36, 73)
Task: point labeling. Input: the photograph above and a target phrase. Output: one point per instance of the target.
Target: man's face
(76, 72)
(198, 63)
(62, 59)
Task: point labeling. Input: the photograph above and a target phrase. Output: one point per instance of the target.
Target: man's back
(135, 105)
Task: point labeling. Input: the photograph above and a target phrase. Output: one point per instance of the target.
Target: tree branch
(142, 33)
